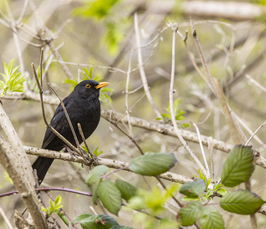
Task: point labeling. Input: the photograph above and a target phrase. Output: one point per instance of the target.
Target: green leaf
(190, 213)
(81, 217)
(96, 9)
(241, 202)
(185, 198)
(95, 191)
(127, 190)
(112, 37)
(88, 73)
(63, 217)
(69, 81)
(12, 79)
(2, 85)
(211, 218)
(184, 125)
(58, 200)
(95, 174)
(137, 202)
(98, 222)
(7, 177)
(238, 166)
(152, 164)
(193, 189)
(96, 152)
(222, 191)
(110, 196)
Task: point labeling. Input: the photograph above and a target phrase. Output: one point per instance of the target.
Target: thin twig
(40, 64)
(135, 143)
(228, 117)
(193, 61)
(141, 69)
(202, 151)
(210, 148)
(255, 83)
(84, 140)
(126, 92)
(6, 218)
(22, 13)
(172, 109)
(255, 133)
(203, 60)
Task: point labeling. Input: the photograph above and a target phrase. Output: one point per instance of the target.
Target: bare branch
(115, 164)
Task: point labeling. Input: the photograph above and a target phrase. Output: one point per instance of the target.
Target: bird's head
(89, 88)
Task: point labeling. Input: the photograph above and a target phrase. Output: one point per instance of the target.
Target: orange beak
(102, 84)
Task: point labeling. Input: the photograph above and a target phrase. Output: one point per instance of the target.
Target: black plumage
(83, 106)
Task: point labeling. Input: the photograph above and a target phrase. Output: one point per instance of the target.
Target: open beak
(102, 84)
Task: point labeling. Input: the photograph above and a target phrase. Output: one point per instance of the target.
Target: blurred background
(100, 36)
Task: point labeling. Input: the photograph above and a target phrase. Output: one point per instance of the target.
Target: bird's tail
(42, 164)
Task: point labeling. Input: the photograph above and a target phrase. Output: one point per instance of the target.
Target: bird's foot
(72, 153)
(90, 159)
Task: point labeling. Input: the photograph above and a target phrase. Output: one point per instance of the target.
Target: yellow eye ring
(88, 85)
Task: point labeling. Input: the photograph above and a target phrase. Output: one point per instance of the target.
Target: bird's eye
(88, 85)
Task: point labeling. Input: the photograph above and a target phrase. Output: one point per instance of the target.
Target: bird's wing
(58, 122)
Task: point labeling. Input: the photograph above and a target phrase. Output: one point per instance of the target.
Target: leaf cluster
(166, 117)
(111, 194)
(237, 168)
(12, 79)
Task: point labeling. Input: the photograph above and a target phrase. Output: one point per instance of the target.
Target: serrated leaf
(238, 166)
(190, 213)
(81, 217)
(98, 222)
(152, 164)
(110, 196)
(211, 218)
(193, 189)
(241, 202)
(95, 174)
(127, 190)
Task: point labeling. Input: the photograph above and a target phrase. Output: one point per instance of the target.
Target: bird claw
(72, 153)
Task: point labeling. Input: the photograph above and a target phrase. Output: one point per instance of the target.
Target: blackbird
(83, 106)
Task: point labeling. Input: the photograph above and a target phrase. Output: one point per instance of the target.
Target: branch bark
(14, 160)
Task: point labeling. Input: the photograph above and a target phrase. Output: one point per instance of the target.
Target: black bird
(83, 106)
